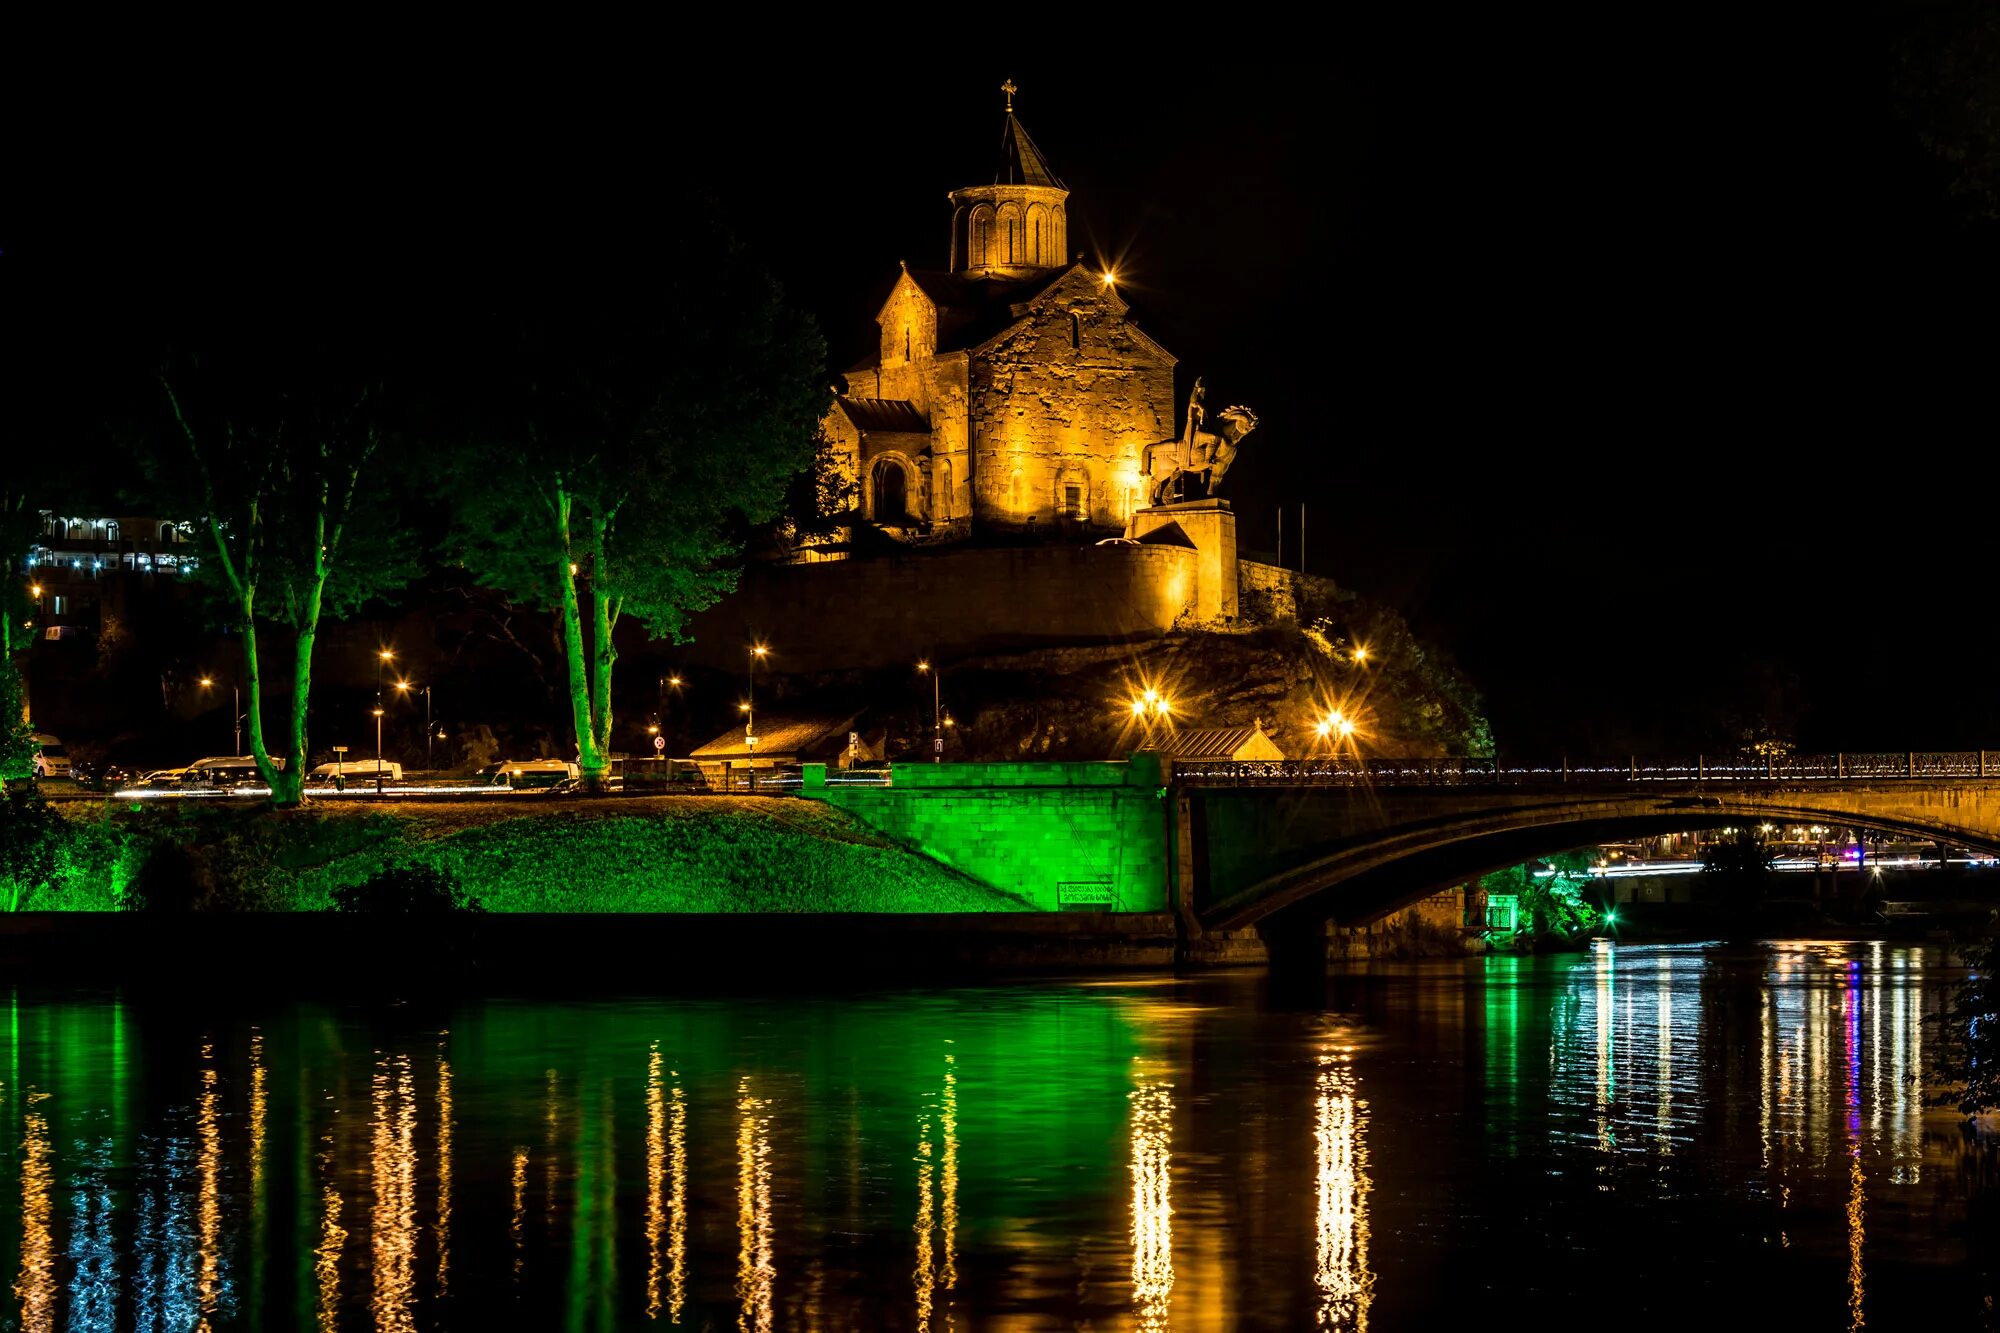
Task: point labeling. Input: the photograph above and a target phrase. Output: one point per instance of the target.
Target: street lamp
(1361, 654)
(937, 714)
(425, 690)
(757, 654)
(236, 713)
(665, 681)
(378, 749)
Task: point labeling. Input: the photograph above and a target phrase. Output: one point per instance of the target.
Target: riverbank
(660, 854)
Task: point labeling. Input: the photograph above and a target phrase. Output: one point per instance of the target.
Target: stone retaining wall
(1064, 836)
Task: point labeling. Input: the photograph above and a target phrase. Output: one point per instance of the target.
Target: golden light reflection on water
(948, 1127)
(326, 1255)
(1606, 1011)
(937, 1197)
(518, 1227)
(677, 1165)
(756, 1270)
(656, 1183)
(666, 1191)
(35, 1288)
(258, 1099)
(1152, 1105)
(443, 1174)
(1340, 1154)
(926, 1277)
(208, 1210)
(392, 1225)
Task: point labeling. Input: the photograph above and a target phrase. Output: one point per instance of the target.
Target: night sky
(1651, 373)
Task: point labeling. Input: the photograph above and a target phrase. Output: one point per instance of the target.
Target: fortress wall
(1268, 593)
(891, 609)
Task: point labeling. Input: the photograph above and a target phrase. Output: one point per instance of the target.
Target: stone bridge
(1284, 848)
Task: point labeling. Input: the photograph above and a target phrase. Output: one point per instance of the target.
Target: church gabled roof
(971, 310)
(1021, 163)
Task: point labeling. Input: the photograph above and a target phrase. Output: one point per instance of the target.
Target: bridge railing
(1348, 770)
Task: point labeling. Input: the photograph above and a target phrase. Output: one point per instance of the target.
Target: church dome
(1019, 224)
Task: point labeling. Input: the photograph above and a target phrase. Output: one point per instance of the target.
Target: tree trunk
(603, 655)
(590, 759)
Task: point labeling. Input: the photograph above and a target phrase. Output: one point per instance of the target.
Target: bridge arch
(1398, 855)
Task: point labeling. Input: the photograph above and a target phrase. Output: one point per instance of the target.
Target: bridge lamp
(1138, 708)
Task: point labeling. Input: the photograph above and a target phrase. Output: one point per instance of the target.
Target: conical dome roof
(1021, 163)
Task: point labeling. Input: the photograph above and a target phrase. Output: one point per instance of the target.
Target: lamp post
(236, 712)
(425, 690)
(382, 659)
(757, 653)
(937, 713)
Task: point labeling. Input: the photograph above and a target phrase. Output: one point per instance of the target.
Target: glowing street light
(937, 713)
(1110, 277)
(1361, 654)
(378, 749)
(757, 654)
(236, 716)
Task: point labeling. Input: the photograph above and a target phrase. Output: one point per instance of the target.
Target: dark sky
(1651, 372)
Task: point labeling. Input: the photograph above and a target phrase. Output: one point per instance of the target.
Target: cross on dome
(1009, 89)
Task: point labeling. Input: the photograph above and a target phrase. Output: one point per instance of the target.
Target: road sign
(659, 742)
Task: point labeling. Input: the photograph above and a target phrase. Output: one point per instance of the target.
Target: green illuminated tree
(628, 436)
(30, 838)
(285, 475)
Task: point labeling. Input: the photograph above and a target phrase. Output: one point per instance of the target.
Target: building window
(1010, 240)
(982, 238)
(1075, 329)
(906, 342)
(111, 531)
(1073, 503)
(166, 532)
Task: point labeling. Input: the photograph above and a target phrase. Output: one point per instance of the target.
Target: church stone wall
(861, 614)
(1071, 396)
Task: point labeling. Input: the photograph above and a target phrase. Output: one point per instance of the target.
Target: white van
(51, 760)
(226, 772)
(357, 768)
(531, 772)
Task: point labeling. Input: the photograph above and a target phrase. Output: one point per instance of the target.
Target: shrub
(411, 890)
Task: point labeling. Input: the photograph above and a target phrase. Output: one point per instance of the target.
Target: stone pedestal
(1210, 528)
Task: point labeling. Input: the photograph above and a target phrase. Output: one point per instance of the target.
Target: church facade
(1010, 391)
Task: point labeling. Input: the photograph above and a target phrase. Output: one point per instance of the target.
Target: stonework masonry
(860, 614)
(1060, 835)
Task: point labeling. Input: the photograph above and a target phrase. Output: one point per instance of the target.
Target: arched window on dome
(982, 238)
(1040, 247)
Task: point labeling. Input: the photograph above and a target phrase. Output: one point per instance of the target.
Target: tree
(625, 446)
(1554, 898)
(1965, 1058)
(1737, 870)
(286, 487)
(412, 890)
(30, 840)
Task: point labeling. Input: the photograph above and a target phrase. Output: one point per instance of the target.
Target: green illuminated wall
(1056, 834)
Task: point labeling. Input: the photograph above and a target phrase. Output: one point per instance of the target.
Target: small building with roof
(1217, 743)
(785, 742)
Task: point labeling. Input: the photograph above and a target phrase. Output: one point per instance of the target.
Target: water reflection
(1340, 1152)
(756, 1270)
(1152, 1101)
(36, 1286)
(1112, 1157)
(392, 1228)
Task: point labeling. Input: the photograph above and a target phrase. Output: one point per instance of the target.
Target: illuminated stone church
(1009, 392)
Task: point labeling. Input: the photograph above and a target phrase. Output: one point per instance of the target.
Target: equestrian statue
(1199, 452)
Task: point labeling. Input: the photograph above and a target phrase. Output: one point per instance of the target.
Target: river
(1639, 1136)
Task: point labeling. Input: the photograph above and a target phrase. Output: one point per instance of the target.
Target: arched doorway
(890, 486)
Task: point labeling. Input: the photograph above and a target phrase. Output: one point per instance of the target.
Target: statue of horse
(1206, 454)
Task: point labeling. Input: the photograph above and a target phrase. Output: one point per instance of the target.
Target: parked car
(51, 759)
(574, 786)
(228, 773)
(352, 769)
(101, 777)
(161, 777)
(530, 772)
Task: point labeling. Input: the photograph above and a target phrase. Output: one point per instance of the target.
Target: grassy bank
(652, 854)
